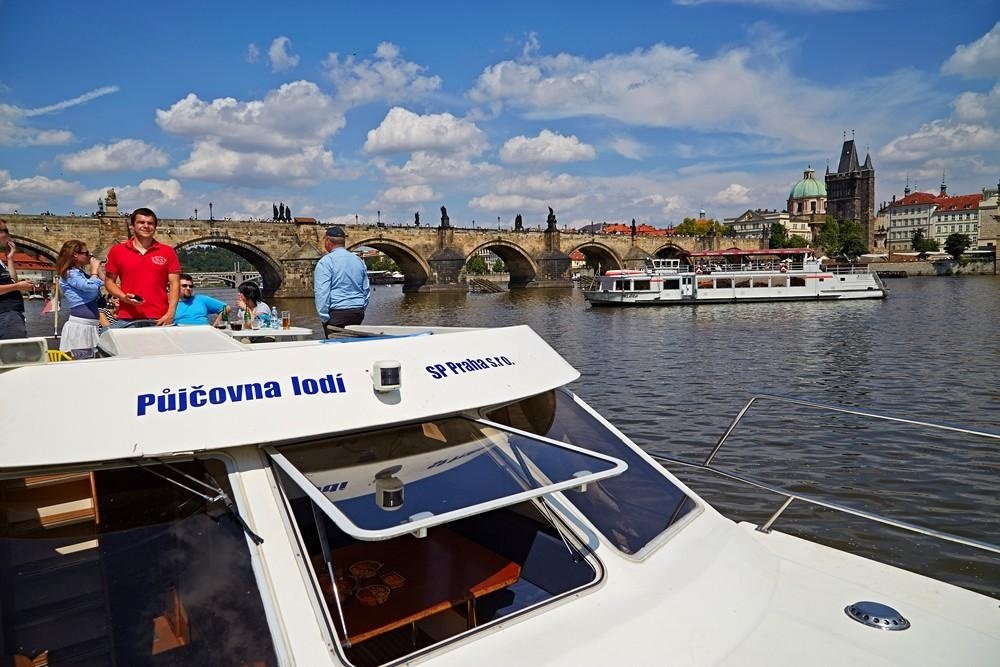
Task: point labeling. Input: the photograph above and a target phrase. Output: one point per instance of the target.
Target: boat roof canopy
(737, 252)
(121, 408)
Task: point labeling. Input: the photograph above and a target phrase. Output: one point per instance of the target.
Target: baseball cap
(335, 232)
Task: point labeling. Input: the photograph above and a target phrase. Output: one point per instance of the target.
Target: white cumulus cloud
(981, 58)
(35, 187)
(127, 154)
(402, 131)
(425, 167)
(406, 194)
(547, 148)
(734, 193)
(627, 147)
(279, 56)
(210, 161)
(742, 89)
(294, 116)
(941, 137)
(978, 107)
(154, 193)
(385, 77)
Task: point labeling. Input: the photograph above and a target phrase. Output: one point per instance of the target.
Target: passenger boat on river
(728, 276)
(426, 495)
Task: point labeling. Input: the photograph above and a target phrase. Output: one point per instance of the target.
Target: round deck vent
(876, 615)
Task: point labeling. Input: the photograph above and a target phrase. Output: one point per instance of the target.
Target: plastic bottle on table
(275, 322)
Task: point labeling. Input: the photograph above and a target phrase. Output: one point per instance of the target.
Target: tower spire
(906, 190)
(944, 186)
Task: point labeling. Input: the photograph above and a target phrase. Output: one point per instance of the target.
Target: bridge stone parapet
(430, 258)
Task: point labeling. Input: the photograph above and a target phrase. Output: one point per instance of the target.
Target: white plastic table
(252, 335)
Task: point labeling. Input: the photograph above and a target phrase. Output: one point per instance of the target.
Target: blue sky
(604, 111)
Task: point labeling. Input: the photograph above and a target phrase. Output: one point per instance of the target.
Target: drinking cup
(286, 319)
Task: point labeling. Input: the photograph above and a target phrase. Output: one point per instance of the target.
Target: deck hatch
(446, 469)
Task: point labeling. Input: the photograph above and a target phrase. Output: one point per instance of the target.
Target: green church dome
(808, 187)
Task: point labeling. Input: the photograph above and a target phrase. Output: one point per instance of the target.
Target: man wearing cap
(340, 283)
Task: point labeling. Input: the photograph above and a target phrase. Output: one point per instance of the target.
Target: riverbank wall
(941, 267)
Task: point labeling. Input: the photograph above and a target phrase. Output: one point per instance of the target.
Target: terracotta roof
(945, 203)
(959, 203)
(24, 261)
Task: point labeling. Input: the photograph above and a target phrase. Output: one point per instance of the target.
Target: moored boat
(733, 276)
(425, 495)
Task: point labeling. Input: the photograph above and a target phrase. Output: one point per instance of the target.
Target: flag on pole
(52, 304)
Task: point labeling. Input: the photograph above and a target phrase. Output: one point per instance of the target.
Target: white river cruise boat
(425, 496)
(732, 276)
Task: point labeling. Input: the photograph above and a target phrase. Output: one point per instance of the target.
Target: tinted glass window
(120, 567)
(630, 509)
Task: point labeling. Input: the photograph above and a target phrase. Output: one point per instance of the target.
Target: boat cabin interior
(409, 537)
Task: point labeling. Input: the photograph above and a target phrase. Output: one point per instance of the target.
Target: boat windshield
(632, 509)
(380, 484)
(122, 567)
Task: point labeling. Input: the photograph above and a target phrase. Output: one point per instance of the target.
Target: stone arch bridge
(431, 258)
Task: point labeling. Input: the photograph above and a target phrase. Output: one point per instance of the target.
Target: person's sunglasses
(83, 252)
(188, 286)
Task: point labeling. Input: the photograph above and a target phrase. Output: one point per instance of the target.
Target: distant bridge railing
(232, 278)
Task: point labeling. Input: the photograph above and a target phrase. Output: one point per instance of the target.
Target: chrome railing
(791, 496)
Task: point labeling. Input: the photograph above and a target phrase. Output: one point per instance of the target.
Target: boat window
(671, 283)
(381, 484)
(743, 282)
(779, 281)
(761, 281)
(401, 597)
(798, 282)
(120, 567)
(620, 285)
(630, 510)
(723, 283)
(705, 283)
(640, 285)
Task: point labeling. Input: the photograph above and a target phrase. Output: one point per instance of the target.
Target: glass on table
(286, 319)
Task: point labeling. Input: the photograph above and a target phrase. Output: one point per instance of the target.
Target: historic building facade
(851, 190)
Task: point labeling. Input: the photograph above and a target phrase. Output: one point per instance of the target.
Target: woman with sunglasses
(81, 288)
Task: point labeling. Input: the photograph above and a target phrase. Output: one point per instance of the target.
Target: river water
(672, 378)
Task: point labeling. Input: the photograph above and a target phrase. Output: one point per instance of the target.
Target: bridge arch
(600, 258)
(411, 263)
(520, 266)
(270, 270)
(25, 243)
(672, 251)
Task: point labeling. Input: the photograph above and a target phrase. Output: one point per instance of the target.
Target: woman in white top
(249, 298)
(80, 283)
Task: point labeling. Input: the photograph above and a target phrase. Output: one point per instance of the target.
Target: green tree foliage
(498, 266)
(381, 263)
(796, 241)
(476, 265)
(956, 244)
(852, 239)
(829, 236)
(779, 236)
(922, 244)
(695, 227)
(204, 258)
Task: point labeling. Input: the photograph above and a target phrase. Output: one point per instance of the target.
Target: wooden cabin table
(441, 571)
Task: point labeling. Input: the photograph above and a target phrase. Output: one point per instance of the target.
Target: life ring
(784, 268)
(698, 270)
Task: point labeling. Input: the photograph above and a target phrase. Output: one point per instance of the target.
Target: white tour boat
(728, 276)
(434, 496)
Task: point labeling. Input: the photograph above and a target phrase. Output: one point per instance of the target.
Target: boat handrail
(849, 270)
(792, 495)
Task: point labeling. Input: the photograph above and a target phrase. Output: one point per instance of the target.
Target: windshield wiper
(220, 496)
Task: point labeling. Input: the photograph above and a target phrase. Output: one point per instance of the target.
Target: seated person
(249, 298)
(196, 308)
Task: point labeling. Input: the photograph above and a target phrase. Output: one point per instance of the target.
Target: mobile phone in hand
(137, 298)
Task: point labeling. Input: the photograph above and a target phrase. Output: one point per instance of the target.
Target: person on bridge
(11, 301)
(148, 270)
(196, 308)
(340, 283)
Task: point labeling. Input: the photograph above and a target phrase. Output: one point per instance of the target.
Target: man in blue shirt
(196, 308)
(340, 283)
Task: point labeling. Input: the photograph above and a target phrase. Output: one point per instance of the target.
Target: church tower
(851, 190)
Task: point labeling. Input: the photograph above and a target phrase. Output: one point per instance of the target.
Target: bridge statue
(112, 198)
(416, 219)
(633, 229)
(274, 208)
(550, 221)
(518, 223)
(445, 220)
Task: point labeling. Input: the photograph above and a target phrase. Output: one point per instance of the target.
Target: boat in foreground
(734, 276)
(420, 495)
